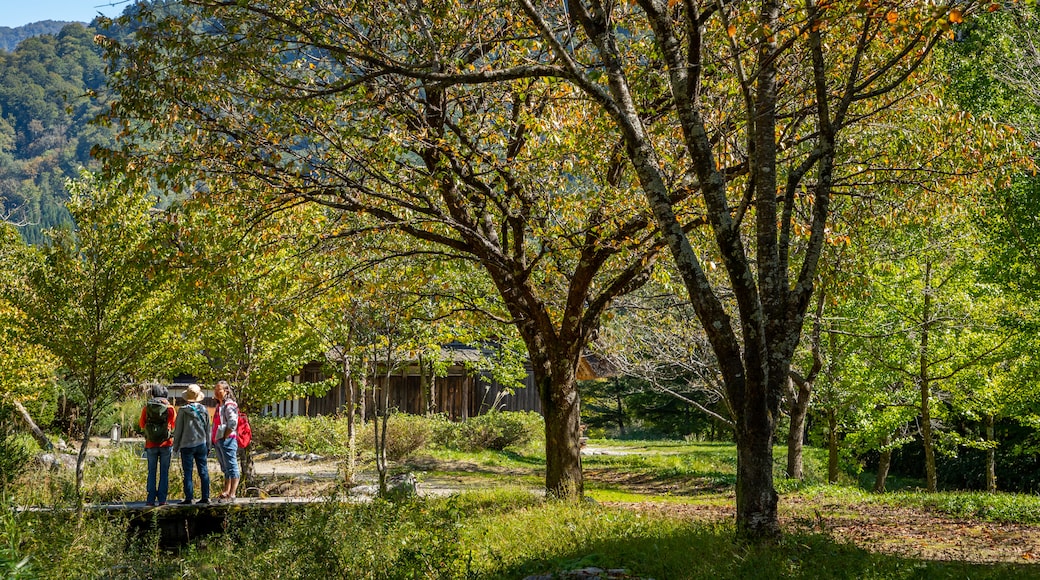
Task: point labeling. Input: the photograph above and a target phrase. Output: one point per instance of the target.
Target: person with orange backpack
(157, 422)
(225, 439)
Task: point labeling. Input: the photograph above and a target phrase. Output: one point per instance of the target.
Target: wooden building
(462, 393)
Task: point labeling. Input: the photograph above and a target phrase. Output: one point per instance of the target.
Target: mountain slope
(10, 37)
(45, 134)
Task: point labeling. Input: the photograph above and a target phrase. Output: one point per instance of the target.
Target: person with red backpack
(225, 439)
(157, 422)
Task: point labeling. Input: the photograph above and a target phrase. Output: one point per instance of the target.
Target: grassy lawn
(505, 533)
(660, 510)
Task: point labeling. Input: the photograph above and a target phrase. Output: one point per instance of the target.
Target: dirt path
(906, 532)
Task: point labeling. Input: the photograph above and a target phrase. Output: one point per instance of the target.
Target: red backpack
(244, 433)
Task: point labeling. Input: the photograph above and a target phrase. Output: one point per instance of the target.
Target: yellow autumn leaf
(731, 30)
(956, 15)
(892, 16)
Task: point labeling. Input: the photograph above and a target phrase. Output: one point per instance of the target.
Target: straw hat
(193, 394)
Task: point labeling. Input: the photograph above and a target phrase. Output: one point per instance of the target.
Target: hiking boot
(184, 502)
(203, 501)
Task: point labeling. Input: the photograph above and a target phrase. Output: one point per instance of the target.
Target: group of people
(188, 431)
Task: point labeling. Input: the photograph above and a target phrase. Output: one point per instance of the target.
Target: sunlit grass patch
(487, 458)
(998, 507)
(558, 536)
(555, 537)
(620, 495)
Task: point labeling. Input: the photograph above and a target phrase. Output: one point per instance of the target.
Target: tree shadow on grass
(710, 552)
(652, 483)
(533, 461)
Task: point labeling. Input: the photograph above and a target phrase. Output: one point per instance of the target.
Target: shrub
(125, 413)
(268, 432)
(327, 435)
(323, 435)
(491, 431)
(405, 434)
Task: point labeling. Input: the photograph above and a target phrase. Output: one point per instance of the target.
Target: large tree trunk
(884, 463)
(926, 438)
(558, 390)
(37, 433)
(248, 467)
(756, 496)
(925, 384)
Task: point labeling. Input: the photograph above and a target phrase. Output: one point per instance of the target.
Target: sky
(14, 13)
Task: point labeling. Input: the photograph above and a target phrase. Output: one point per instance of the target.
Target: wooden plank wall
(459, 397)
(523, 399)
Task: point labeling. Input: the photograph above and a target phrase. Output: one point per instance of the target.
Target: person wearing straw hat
(190, 438)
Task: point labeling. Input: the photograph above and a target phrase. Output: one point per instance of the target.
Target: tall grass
(506, 533)
(503, 532)
(118, 476)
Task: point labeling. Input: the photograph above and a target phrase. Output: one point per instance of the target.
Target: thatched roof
(592, 367)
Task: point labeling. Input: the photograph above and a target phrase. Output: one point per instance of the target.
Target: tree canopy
(515, 134)
(92, 297)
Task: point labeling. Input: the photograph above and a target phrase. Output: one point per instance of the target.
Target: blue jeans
(227, 455)
(158, 456)
(195, 456)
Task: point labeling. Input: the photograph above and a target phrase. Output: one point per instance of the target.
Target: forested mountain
(10, 37)
(45, 134)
